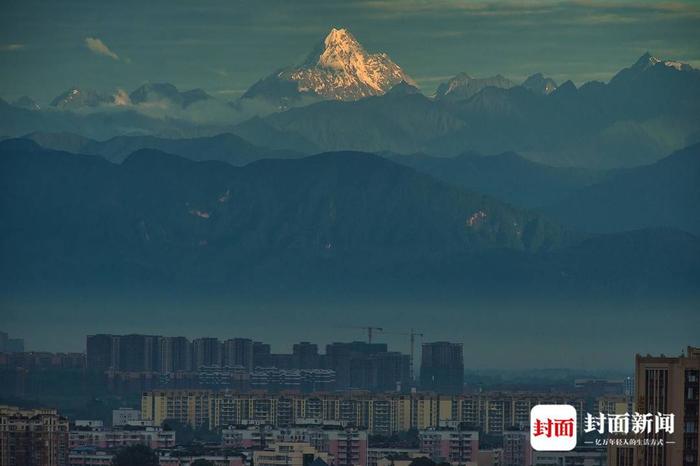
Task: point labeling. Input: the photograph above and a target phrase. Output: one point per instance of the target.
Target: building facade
(442, 367)
(670, 385)
(385, 414)
(453, 446)
(33, 437)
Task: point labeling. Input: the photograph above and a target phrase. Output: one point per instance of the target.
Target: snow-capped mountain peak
(339, 68)
(77, 98)
(648, 60)
(340, 48)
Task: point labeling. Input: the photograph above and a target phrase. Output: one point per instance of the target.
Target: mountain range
(225, 147)
(333, 220)
(165, 215)
(662, 194)
(508, 176)
(147, 94)
(644, 113)
(463, 86)
(339, 173)
(342, 97)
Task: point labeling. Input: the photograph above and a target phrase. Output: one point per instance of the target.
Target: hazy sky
(506, 332)
(225, 46)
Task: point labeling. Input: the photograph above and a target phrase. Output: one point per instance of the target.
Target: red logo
(554, 427)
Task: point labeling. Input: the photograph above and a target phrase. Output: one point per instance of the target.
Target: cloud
(100, 48)
(11, 47)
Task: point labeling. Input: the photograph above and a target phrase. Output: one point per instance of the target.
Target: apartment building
(384, 414)
(517, 450)
(290, 454)
(153, 437)
(450, 445)
(33, 437)
(670, 385)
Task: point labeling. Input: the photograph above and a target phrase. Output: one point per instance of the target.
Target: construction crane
(412, 334)
(370, 331)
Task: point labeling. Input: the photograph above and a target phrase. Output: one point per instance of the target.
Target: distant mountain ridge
(663, 194)
(157, 92)
(508, 176)
(362, 102)
(540, 84)
(463, 86)
(333, 221)
(225, 147)
(76, 98)
(637, 118)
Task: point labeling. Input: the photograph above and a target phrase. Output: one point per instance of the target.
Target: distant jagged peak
(403, 88)
(463, 86)
(337, 50)
(647, 60)
(163, 91)
(338, 68)
(540, 84)
(26, 102)
(76, 98)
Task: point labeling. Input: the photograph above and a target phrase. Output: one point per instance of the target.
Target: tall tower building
(442, 367)
(669, 385)
(207, 352)
(33, 437)
(238, 352)
(261, 354)
(305, 355)
(175, 354)
(139, 353)
(516, 448)
(99, 352)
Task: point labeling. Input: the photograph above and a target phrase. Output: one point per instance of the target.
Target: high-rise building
(261, 354)
(670, 385)
(238, 352)
(11, 345)
(132, 353)
(392, 371)
(33, 437)
(100, 352)
(139, 353)
(517, 450)
(305, 355)
(449, 445)
(442, 367)
(207, 352)
(357, 365)
(175, 354)
(347, 446)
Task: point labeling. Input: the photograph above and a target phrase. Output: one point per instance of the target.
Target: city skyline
(313, 349)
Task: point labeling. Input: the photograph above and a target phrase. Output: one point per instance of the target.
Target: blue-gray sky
(224, 46)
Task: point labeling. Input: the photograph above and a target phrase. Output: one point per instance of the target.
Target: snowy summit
(339, 68)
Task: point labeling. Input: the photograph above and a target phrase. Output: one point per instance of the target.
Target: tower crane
(370, 331)
(412, 334)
